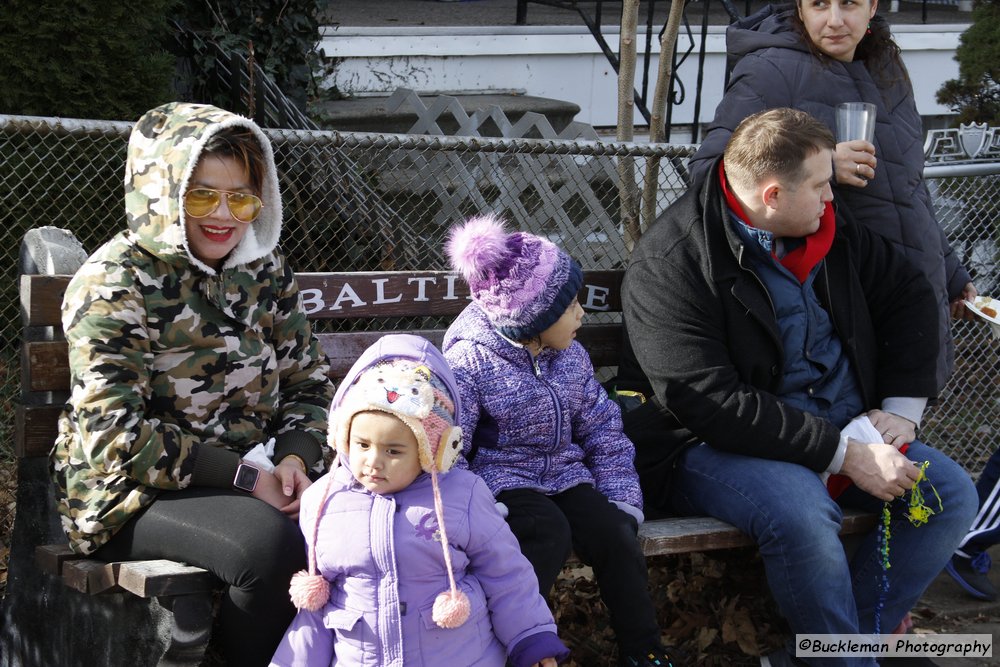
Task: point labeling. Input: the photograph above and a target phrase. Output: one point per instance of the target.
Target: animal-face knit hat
(410, 391)
(523, 282)
(407, 377)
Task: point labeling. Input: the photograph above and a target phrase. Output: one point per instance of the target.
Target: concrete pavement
(946, 607)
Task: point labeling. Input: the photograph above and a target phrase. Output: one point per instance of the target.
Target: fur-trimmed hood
(163, 150)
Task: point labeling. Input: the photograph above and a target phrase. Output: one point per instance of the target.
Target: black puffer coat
(773, 67)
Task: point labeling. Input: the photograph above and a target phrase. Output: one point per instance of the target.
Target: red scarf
(811, 252)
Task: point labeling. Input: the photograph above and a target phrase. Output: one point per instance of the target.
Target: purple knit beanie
(523, 282)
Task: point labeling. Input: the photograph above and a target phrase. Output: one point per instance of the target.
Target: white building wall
(565, 63)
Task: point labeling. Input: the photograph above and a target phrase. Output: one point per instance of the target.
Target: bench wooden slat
(35, 428)
(678, 535)
(369, 294)
(41, 300)
(686, 534)
(345, 295)
(857, 522)
(343, 349)
(51, 557)
(45, 366)
(603, 343)
(152, 578)
(146, 578)
(90, 576)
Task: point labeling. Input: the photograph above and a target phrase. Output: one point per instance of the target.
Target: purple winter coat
(383, 559)
(385, 569)
(547, 425)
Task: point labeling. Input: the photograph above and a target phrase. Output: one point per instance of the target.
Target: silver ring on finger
(857, 168)
(890, 435)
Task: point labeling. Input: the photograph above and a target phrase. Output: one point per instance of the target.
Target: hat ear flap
(448, 449)
(340, 430)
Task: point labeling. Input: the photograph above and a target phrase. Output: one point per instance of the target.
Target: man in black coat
(788, 356)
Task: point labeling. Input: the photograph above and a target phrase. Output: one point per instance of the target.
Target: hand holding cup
(855, 156)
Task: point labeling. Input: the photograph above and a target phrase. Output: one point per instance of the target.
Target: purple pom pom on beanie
(522, 282)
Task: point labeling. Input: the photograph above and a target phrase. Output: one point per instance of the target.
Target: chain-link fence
(371, 202)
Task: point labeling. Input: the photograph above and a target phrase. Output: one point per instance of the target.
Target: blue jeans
(786, 509)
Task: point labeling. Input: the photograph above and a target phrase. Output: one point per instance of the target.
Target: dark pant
(985, 530)
(249, 545)
(604, 537)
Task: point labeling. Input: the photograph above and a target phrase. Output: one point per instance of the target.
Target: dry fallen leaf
(737, 627)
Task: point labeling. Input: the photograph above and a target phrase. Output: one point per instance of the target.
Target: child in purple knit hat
(539, 428)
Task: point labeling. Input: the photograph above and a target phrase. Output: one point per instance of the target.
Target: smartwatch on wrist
(246, 477)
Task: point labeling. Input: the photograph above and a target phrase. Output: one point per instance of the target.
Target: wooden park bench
(357, 301)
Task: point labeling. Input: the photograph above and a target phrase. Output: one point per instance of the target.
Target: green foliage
(975, 95)
(84, 59)
(979, 47)
(975, 102)
(284, 34)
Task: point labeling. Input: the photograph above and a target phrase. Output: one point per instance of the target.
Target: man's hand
(895, 430)
(958, 309)
(878, 469)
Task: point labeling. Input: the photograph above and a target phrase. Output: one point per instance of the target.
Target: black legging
(245, 542)
(602, 536)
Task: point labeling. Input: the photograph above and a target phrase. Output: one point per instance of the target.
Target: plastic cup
(855, 120)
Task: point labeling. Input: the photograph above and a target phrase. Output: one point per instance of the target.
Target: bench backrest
(326, 296)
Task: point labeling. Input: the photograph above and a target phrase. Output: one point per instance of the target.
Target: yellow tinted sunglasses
(199, 202)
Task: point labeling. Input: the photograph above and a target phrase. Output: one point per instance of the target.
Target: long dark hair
(876, 49)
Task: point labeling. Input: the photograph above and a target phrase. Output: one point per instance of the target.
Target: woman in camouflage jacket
(188, 349)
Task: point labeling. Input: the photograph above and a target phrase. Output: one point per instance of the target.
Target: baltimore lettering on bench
(420, 293)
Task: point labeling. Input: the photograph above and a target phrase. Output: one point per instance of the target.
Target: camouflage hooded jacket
(169, 357)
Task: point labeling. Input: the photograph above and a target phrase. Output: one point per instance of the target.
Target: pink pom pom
(451, 609)
(309, 591)
(478, 246)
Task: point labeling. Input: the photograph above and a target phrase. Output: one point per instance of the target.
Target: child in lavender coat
(406, 568)
(540, 429)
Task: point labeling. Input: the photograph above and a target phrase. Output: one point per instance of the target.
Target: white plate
(994, 320)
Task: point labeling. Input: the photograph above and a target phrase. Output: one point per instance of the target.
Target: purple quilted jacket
(547, 425)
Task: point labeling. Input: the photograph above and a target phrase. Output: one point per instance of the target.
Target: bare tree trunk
(627, 189)
(656, 121)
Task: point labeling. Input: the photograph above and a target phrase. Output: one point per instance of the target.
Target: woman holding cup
(815, 55)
